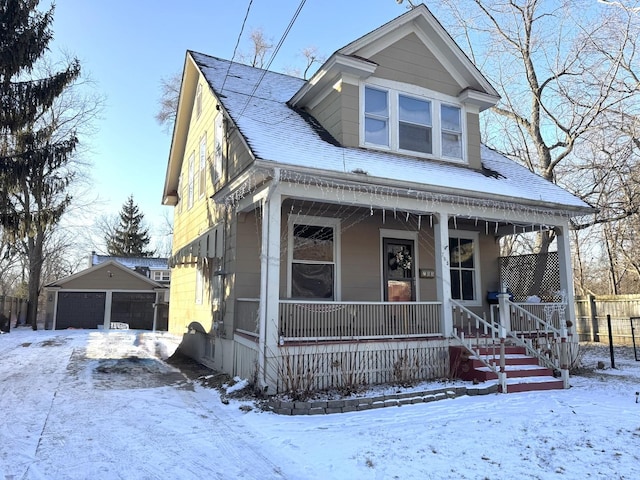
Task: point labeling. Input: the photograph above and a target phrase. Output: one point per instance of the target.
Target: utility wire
(235, 49)
(273, 55)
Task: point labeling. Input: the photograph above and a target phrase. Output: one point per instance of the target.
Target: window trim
(202, 171)
(198, 100)
(191, 179)
(316, 222)
(218, 147)
(477, 284)
(436, 99)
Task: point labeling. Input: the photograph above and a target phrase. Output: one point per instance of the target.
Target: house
(104, 294)
(345, 230)
(155, 268)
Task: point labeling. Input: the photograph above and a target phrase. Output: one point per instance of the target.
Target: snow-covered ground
(104, 405)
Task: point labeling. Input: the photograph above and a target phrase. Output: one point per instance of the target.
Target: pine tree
(130, 238)
(32, 153)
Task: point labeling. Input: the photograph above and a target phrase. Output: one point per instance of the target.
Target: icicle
(431, 221)
(407, 219)
(514, 230)
(394, 213)
(419, 221)
(486, 228)
(496, 228)
(455, 223)
(371, 207)
(476, 222)
(383, 215)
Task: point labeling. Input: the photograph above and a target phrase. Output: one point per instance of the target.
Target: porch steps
(524, 374)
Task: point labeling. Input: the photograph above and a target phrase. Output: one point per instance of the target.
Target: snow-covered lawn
(104, 405)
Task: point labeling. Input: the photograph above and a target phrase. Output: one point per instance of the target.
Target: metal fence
(13, 310)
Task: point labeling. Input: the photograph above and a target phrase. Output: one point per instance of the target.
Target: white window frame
(437, 99)
(191, 179)
(218, 147)
(161, 275)
(199, 286)
(198, 100)
(475, 238)
(316, 222)
(202, 175)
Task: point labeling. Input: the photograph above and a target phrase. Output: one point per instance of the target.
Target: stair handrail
(559, 363)
(499, 371)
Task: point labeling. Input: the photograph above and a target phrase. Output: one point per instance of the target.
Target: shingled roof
(256, 101)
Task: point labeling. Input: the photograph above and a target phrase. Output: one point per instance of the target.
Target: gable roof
(109, 265)
(353, 58)
(279, 135)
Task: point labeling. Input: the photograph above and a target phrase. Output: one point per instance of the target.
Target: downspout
(264, 284)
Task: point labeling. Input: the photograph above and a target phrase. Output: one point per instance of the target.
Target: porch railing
(309, 320)
(538, 327)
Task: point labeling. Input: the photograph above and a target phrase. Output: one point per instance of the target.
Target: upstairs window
(191, 180)
(418, 122)
(414, 126)
(202, 176)
(198, 100)
(376, 116)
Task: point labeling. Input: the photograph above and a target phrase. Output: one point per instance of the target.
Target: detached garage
(105, 294)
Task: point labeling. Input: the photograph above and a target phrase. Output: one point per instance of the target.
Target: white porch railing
(309, 320)
(522, 327)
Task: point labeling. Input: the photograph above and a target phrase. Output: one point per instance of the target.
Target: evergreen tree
(33, 154)
(130, 238)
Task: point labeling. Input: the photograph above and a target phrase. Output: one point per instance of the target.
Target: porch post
(566, 271)
(269, 289)
(566, 283)
(443, 273)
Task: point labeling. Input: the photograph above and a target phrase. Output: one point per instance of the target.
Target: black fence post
(613, 360)
(633, 337)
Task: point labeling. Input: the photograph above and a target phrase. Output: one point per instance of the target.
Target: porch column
(443, 275)
(566, 271)
(269, 289)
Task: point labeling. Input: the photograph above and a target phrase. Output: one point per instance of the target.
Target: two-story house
(345, 229)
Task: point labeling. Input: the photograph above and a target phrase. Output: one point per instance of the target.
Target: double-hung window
(418, 122)
(376, 116)
(464, 264)
(202, 176)
(313, 246)
(191, 180)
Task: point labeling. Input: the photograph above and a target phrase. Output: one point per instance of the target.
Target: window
(451, 131)
(376, 116)
(414, 127)
(202, 176)
(312, 258)
(191, 180)
(463, 261)
(418, 122)
(198, 100)
(161, 275)
(199, 286)
(218, 146)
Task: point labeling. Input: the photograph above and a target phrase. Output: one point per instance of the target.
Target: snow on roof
(133, 262)
(257, 99)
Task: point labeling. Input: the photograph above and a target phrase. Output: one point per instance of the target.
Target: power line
(235, 49)
(273, 55)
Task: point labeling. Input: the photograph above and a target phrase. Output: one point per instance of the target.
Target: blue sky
(128, 46)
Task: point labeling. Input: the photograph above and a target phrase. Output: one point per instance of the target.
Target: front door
(399, 280)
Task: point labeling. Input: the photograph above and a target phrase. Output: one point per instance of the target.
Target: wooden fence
(591, 318)
(13, 310)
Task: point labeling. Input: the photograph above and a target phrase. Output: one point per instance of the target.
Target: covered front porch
(378, 275)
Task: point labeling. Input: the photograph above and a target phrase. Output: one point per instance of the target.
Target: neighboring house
(155, 268)
(344, 230)
(103, 295)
